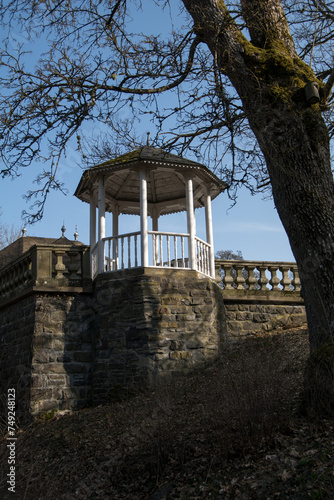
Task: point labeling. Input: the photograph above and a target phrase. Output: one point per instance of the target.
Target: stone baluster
(74, 265)
(228, 279)
(60, 267)
(274, 280)
(296, 280)
(218, 270)
(286, 280)
(263, 280)
(251, 280)
(240, 279)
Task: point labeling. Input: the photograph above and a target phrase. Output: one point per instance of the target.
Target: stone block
(177, 345)
(61, 393)
(57, 381)
(42, 341)
(43, 406)
(41, 356)
(243, 316)
(231, 307)
(56, 327)
(180, 355)
(194, 344)
(167, 325)
(231, 315)
(234, 326)
(257, 308)
(261, 317)
(198, 293)
(186, 317)
(50, 367)
(58, 316)
(40, 393)
(58, 345)
(83, 357)
(163, 310)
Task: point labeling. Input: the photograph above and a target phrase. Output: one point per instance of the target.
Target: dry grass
(198, 437)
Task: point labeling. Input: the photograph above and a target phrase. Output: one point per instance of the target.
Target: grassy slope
(226, 431)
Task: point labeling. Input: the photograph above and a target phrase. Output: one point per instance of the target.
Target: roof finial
(63, 229)
(148, 139)
(76, 233)
(24, 232)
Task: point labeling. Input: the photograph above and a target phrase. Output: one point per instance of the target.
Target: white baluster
(168, 251)
(122, 252)
(109, 263)
(129, 252)
(182, 251)
(175, 251)
(136, 254)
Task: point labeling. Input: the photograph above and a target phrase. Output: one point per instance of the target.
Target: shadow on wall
(64, 351)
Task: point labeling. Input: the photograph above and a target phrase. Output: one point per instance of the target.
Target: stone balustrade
(68, 266)
(252, 275)
(45, 266)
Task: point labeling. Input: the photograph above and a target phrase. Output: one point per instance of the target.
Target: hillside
(229, 431)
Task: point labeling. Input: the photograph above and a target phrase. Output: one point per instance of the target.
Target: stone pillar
(102, 225)
(209, 232)
(191, 222)
(143, 217)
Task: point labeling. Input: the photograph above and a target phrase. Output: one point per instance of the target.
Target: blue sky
(252, 226)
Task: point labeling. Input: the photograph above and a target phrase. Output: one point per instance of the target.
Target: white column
(155, 227)
(209, 232)
(191, 222)
(92, 227)
(143, 218)
(102, 225)
(115, 215)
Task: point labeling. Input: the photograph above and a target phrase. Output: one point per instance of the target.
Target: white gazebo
(149, 182)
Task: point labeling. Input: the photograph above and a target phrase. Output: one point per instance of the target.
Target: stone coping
(152, 271)
(45, 289)
(262, 296)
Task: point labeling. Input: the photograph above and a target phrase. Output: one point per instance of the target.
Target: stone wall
(66, 350)
(72, 347)
(61, 361)
(46, 351)
(16, 338)
(248, 312)
(152, 323)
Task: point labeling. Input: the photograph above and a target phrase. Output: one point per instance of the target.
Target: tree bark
(270, 81)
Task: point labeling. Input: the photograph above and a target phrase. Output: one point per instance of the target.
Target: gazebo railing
(122, 252)
(165, 249)
(168, 249)
(202, 256)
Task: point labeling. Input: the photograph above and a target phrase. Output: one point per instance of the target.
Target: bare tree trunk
(270, 80)
(296, 148)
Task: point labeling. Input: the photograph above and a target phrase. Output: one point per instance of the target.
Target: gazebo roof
(165, 181)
